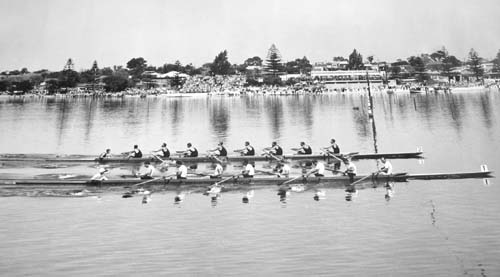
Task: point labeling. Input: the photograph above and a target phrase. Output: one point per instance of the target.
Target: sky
(43, 34)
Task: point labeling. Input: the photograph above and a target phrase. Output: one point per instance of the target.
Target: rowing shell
(335, 180)
(394, 155)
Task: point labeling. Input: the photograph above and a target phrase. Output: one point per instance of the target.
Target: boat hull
(203, 182)
(205, 159)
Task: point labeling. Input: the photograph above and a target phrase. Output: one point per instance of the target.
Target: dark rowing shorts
(145, 177)
(181, 178)
(214, 177)
(247, 176)
(319, 175)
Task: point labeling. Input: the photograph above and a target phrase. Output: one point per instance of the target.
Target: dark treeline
(258, 71)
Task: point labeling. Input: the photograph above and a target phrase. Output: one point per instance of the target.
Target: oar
(225, 180)
(211, 156)
(269, 154)
(145, 182)
(157, 157)
(266, 172)
(366, 177)
(291, 180)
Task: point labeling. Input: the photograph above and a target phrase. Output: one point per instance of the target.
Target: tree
(418, 65)
(496, 63)
(24, 70)
(254, 61)
(298, 66)
(355, 61)
(24, 85)
(220, 65)
(118, 81)
(137, 67)
(475, 63)
(339, 59)
(273, 61)
(67, 78)
(450, 62)
(439, 55)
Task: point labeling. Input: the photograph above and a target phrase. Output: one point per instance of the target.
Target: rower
(304, 149)
(386, 168)
(165, 153)
(333, 148)
(219, 151)
(147, 172)
(283, 169)
(191, 151)
(350, 169)
(136, 153)
(249, 171)
(105, 154)
(182, 170)
(248, 150)
(318, 170)
(100, 175)
(275, 149)
(217, 171)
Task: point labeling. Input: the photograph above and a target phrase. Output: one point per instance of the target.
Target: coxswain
(217, 171)
(318, 170)
(136, 153)
(100, 175)
(304, 149)
(147, 171)
(248, 150)
(275, 149)
(386, 168)
(191, 151)
(283, 169)
(219, 151)
(182, 170)
(249, 171)
(165, 153)
(105, 154)
(350, 169)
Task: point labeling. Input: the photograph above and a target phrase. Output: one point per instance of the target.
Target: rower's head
(247, 143)
(382, 159)
(136, 146)
(245, 162)
(189, 144)
(221, 143)
(178, 163)
(164, 145)
(108, 150)
(315, 162)
(146, 163)
(302, 143)
(332, 141)
(274, 143)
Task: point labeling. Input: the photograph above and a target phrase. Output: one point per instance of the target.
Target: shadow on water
(219, 118)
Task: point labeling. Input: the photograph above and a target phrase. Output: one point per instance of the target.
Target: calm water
(438, 228)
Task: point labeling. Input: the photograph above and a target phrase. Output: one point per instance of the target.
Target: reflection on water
(219, 117)
(458, 132)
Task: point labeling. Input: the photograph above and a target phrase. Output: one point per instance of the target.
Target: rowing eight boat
(333, 180)
(393, 155)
